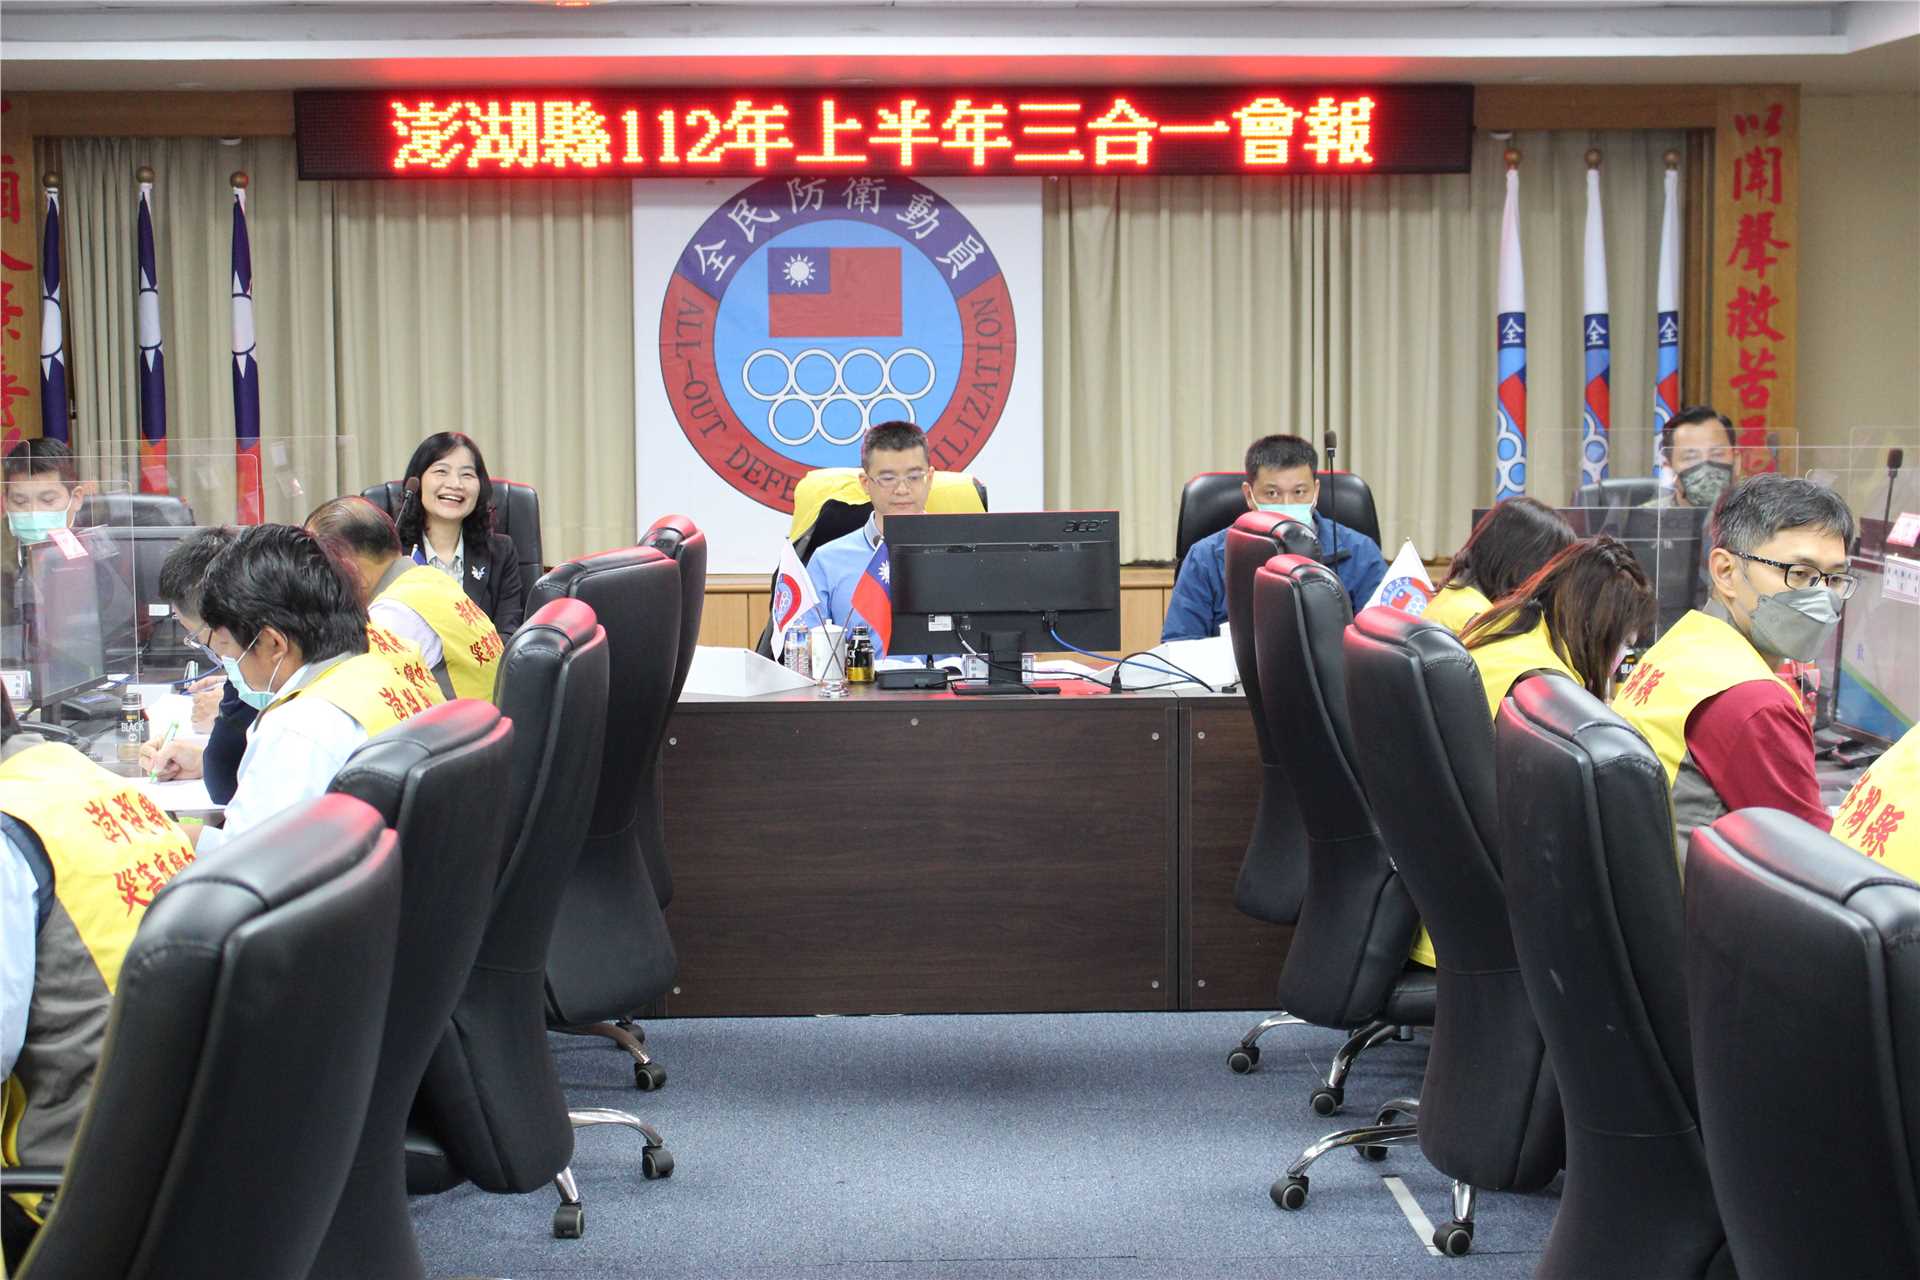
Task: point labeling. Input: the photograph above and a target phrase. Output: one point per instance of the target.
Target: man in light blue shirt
(896, 474)
(1280, 479)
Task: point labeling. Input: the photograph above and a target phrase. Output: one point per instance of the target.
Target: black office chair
(134, 510)
(1623, 491)
(490, 1110)
(1804, 981)
(516, 513)
(1347, 966)
(1273, 874)
(239, 1059)
(679, 538)
(1212, 501)
(1489, 1109)
(611, 954)
(439, 781)
(1593, 895)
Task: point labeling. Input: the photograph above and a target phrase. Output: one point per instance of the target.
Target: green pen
(153, 775)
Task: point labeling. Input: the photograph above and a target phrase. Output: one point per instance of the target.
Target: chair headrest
(602, 572)
(380, 769)
(1794, 851)
(671, 533)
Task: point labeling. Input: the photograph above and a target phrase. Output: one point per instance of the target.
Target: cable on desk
(1137, 658)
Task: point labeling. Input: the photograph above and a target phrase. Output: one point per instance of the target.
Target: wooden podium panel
(922, 853)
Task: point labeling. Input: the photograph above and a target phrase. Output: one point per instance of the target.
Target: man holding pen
(217, 709)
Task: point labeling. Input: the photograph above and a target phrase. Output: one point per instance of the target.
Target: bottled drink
(860, 657)
(798, 654)
(131, 733)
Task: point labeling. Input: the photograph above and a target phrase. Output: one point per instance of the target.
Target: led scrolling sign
(588, 133)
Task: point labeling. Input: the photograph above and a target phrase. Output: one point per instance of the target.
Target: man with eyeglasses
(1282, 478)
(183, 579)
(896, 473)
(1708, 697)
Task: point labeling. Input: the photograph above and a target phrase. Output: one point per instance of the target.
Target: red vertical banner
(19, 276)
(1753, 325)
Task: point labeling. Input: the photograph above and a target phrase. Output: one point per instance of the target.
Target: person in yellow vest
(84, 852)
(1881, 814)
(419, 604)
(286, 621)
(1707, 697)
(1506, 548)
(1578, 615)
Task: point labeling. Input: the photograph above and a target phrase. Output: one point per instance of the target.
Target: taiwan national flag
(833, 293)
(873, 598)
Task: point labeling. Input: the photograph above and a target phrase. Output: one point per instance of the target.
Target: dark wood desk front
(916, 852)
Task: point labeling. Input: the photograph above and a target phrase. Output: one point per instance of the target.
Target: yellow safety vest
(377, 688)
(1881, 815)
(1502, 662)
(1455, 607)
(111, 849)
(469, 643)
(1699, 657)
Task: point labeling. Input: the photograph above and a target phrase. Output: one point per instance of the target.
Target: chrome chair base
(1246, 1055)
(570, 1216)
(1370, 1142)
(648, 1075)
(1328, 1098)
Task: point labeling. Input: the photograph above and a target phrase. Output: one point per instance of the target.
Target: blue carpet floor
(1082, 1146)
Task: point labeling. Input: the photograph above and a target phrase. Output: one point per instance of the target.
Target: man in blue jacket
(1280, 479)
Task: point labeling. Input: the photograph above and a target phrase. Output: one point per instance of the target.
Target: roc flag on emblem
(833, 293)
(53, 332)
(1596, 414)
(1666, 317)
(873, 598)
(152, 360)
(1510, 338)
(246, 369)
(794, 599)
(1406, 586)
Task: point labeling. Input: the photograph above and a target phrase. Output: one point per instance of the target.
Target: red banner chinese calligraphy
(19, 277)
(1755, 265)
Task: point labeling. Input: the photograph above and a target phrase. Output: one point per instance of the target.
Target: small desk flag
(873, 598)
(1406, 586)
(794, 599)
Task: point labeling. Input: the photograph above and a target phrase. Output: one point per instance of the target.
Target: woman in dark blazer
(446, 522)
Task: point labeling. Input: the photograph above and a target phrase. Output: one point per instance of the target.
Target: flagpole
(1510, 339)
(54, 404)
(1666, 319)
(151, 362)
(1596, 415)
(246, 366)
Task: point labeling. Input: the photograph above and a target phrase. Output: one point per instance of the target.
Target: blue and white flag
(1666, 318)
(53, 329)
(152, 360)
(246, 369)
(1596, 413)
(1510, 339)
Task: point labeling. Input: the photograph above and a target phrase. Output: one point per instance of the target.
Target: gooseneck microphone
(1895, 457)
(1332, 441)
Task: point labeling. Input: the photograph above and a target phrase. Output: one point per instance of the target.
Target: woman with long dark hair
(446, 522)
(1506, 548)
(1579, 615)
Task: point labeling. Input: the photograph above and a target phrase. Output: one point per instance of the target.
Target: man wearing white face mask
(285, 618)
(1282, 479)
(1707, 697)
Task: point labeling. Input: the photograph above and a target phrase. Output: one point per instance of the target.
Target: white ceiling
(218, 44)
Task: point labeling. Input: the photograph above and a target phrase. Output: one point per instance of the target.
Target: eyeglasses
(201, 643)
(1801, 576)
(896, 480)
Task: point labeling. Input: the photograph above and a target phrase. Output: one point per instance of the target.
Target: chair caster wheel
(569, 1222)
(648, 1076)
(1327, 1099)
(1453, 1238)
(1243, 1059)
(656, 1162)
(1373, 1151)
(1290, 1193)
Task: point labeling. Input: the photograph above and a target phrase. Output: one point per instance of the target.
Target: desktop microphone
(1895, 457)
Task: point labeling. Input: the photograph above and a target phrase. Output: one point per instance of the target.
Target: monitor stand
(1003, 669)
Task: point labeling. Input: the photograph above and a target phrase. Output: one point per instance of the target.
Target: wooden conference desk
(902, 852)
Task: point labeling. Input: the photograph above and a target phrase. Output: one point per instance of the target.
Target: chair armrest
(32, 1178)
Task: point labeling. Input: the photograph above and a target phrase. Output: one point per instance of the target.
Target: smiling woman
(446, 522)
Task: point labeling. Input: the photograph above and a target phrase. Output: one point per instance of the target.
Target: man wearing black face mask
(1707, 697)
